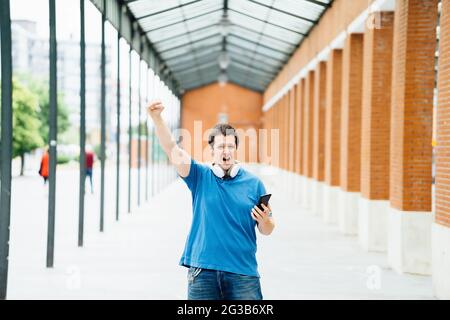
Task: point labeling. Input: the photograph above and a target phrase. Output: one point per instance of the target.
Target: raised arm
(177, 156)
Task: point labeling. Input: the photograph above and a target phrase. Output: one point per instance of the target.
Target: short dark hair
(224, 130)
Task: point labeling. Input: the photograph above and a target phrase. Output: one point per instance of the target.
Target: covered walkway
(137, 258)
(345, 108)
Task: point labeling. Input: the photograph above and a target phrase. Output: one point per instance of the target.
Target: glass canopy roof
(258, 36)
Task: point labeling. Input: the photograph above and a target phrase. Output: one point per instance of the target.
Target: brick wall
(242, 106)
(319, 121)
(412, 104)
(276, 126)
(298, 126)
(291, 131)
(443, 130)
(333, 118)
(333, 22)
(376, 110)
(285, 127)
(352, 68)
(308, 125)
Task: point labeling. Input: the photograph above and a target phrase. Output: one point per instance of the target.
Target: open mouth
(226, 159)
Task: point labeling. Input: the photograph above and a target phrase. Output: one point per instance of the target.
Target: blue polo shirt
(222, 235)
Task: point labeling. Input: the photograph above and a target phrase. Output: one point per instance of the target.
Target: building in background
(30, 54)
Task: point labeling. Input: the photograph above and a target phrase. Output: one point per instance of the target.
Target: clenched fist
(155, 108)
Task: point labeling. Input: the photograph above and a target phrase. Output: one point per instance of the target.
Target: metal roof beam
(258, 44)
(167, 10)
(190, 43)
(256, 59)
(182, 21)
(207, 57)
(284, 12)
(191, 52)
(184, 34)
(268, 22)
(261, 54)
(132, 32)
(325, 5)
(237, 25)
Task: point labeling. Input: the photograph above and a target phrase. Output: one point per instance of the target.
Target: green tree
(135, 129)
(41, 89)
(26, 124)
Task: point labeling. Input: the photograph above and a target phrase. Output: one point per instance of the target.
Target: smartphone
(264, 199)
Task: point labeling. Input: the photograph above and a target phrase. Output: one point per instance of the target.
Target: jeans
(205, 284)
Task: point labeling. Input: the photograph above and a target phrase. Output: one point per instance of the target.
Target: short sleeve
(261, 188)
(192, 178)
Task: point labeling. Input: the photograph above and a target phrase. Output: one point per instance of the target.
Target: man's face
(224, 150)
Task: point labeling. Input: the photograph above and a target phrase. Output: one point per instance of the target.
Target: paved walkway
(137, 257)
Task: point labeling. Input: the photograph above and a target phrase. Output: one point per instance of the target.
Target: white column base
(312, 193)
(330, 204)
(281, 181)
(409, 241)
(317, 198)
(373, 224)
(298, 188)
(441, 261)
(292, 183)
(307, 193)
(348, 212)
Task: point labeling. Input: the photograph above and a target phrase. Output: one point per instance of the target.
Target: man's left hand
(263, 218)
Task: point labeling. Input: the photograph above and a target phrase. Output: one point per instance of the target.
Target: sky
(67, 17)
(68, 27)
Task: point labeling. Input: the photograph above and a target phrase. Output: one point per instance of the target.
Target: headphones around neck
(220, 173)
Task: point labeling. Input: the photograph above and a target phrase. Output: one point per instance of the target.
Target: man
(220, 250)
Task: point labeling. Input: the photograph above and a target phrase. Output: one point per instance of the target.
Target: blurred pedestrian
(43, 169)
(89, 165)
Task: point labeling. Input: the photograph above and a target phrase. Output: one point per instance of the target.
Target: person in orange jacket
(43, 170)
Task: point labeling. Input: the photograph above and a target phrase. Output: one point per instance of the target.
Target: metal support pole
(103, 121)
(139, 135)
(118, 116)
(6, 143)
(153, 162)
(53, 112)
(146, 136)
(129, 133)
(82, 124)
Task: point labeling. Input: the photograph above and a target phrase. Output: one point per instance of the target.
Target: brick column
(375, 136)
(333, 135)
(441, 227)
(286, 117)
(319, 122)
(298, 126)
(291, 151)
(286, 177)
(273, 138)
(276, 126)
(264, 139)
(319, 137)
(308, 125)
(298, 163)
(352, 68)
(280, 115)
(409, 247)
